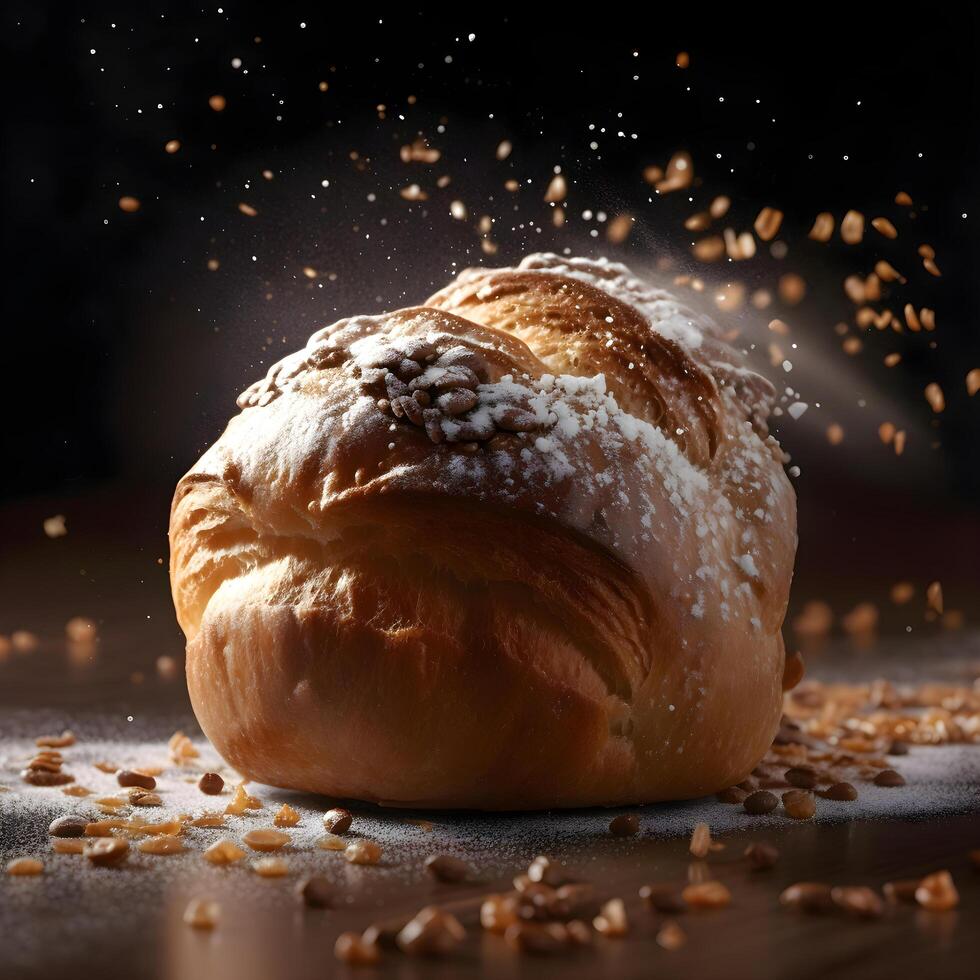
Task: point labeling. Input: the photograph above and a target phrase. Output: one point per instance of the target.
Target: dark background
(124, 352)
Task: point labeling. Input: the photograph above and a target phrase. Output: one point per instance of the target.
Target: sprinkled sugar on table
(135, 915)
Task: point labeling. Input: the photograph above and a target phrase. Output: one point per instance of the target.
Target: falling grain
(823, 227)
(767, 223)
(884, 227)
(852, 227)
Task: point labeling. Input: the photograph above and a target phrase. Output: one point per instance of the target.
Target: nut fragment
(61, 741)
(286, 817)
(338, 820)
(316, 892)
(223, 852)
(840, 791)
(68, 845)
(888, 777)
(433, 932)
(707, 895)
(536, 938)
(807, 896)
(858, 900)
(141, 797)
(44, 777)
(612, 920)
(624, 825)
(209, 819)
(161, 844)
(242, 802)
(353, 949)
(68, 827)
(852, 227)
(127, 777)
(884, 227)
(761, 801)
(107, 852)
(935, 398)
(497, 912)
(733, 794)
(332, 843)
(799, 804)
(362, 852)
(202, 913)
(823, 227)
(24, 867)
(671, 936)
(803, 777)
(270, 867)
(767, 223)
(211, 784)
(545, 870)
(902, 891)
(663, 898)
(446, 868)
(700, 840)
(761, 855)
(937, 892)
(266, 839)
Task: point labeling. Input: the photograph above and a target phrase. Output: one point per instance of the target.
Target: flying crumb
(172, 146)
(886, 272)
(902, 592)
(934, 597)
(217, 102)
(823, 227)
(884, 227)
(54, 527)
(683, 59)
(852, 227)
(903, 199)
(420, 152)
(934, 396)
(973, 382)
(557, 190)
(767, 223)
(619, 228)
(719, 206)
(835, 434)
(680, 174)
(129, 204)
(504, 148)
(247, 209)
(709, 249)
(792, 288)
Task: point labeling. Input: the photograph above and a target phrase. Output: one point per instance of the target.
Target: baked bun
(528, 545)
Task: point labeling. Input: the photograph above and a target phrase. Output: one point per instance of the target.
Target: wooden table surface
(78, 922)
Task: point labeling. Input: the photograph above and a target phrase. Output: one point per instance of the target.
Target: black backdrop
(124, 352)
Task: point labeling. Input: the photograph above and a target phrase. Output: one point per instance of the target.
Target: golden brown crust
(526, 546)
